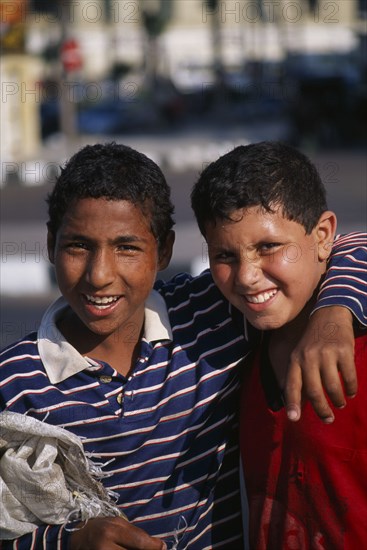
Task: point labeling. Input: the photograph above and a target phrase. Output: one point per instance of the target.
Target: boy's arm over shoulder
(345, 282)
(191, 293)
(184, 284)
(327, 347)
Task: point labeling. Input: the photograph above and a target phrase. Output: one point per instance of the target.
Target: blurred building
(19, 72)
(111, 31)
(50, 48)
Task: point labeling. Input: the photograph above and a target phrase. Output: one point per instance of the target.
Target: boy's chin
(263, 323)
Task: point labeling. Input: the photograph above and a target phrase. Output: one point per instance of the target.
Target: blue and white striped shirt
(167, 434)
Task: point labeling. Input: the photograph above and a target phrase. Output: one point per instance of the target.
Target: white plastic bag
(45, 477)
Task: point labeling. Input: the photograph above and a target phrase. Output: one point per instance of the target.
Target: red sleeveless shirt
(306, 481)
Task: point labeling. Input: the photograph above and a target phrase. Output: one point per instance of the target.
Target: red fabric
(306, 481)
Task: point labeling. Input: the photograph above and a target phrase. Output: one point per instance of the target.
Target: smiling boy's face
(266, 265)
(106, 259)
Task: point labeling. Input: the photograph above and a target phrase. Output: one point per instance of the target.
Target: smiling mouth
(101, 302)
(260, 298)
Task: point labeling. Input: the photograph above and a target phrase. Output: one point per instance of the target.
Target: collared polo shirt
(167, 434)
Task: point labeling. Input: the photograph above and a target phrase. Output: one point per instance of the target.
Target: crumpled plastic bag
(46, 477)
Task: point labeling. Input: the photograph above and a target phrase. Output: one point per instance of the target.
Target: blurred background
(183, 81)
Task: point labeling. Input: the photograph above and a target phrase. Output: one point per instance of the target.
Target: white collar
(61, 360)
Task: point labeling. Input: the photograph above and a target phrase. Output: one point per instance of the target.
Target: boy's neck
(119, 351)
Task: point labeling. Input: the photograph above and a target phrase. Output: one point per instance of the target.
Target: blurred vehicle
(50, 117)
(116, 107)
(193, 77)
(329, 97)
(105, 117)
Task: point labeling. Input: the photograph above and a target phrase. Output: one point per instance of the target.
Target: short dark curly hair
(268, 174)
(114, 172)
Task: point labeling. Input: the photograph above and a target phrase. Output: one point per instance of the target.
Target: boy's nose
(101, 269)
(247, 274)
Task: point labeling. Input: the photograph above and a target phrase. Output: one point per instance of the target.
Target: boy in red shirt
(263, 212)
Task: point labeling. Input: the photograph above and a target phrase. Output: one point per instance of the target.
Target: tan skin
(283, 341)
(105, 249)
(113, 534)
(263, 254)
(315, 364)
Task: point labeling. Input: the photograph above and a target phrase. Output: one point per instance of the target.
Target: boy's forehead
(103, 203)
(88, 209)
(100, 200)
(238, 214)
(273, 210)
(255, 218)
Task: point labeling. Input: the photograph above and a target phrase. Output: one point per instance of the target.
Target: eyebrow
(127, 239)
(120, 239)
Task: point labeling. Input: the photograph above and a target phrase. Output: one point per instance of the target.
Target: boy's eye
(76, 246)
(265, 248)
(127, 248)
(223, 256)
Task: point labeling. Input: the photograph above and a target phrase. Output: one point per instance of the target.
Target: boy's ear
(325, 233)
(51, 246)
(165, 251)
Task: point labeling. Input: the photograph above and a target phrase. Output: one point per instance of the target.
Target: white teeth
(261, 298)
(103, 300)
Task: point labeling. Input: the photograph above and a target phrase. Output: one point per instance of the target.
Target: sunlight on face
(265, 265)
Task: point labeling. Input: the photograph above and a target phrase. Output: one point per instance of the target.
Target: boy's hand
(113, 533)
(325, 349)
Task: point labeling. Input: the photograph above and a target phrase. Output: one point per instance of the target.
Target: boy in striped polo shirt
(148, 378)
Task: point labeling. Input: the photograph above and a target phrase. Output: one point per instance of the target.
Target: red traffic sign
(71, 57)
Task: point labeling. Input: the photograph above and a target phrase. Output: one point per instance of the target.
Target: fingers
(133, 538)
(322, 364)
(313, 387)
(292, 392)
(113, 533)
(320, 378)
(337, 353)
(347, 369)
